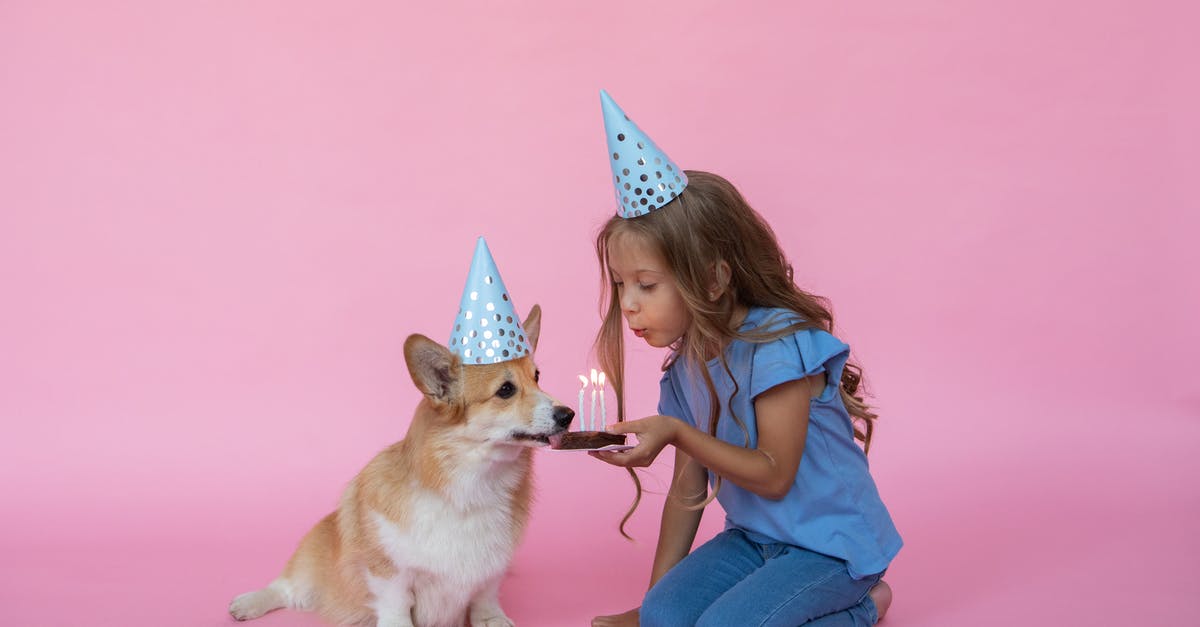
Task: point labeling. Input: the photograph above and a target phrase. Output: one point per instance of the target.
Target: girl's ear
(721, 277)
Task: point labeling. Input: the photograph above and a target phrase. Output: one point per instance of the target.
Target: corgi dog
(424, 533)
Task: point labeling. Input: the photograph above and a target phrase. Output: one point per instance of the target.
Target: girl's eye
(647, 287)
(506, 390)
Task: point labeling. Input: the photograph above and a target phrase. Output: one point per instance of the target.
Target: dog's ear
(435, 370)
(533, 326)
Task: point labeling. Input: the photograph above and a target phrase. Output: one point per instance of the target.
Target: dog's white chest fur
(451, 545)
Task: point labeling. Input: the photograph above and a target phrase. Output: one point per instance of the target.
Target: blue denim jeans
(732, 581)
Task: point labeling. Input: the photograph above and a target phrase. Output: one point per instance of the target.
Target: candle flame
(601, 379)
(593, 376)
(582, 381)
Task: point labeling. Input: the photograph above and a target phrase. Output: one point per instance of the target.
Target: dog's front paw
(254, 604)
(493, 621)
(247, 607)
(486, 610)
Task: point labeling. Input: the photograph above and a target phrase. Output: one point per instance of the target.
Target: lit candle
(582, 385)
(592, 417)
(603, 412)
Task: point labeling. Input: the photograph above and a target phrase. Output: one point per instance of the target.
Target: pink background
(219, 221)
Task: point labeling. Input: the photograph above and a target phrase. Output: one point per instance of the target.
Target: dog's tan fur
(425, 532)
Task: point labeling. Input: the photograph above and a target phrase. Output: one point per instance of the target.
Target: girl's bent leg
(686, 591)
(795, 587)
(869, 611)
(881, 594)
(862, 615)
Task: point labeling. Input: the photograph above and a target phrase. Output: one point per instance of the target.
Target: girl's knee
(722, 617)
(660, 610)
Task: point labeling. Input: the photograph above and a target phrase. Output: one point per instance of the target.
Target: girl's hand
(653, 434)
(628, 619)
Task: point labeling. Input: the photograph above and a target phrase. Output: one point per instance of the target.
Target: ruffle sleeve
(802, 354)
(669, 403)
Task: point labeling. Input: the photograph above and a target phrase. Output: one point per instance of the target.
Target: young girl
(758, 400)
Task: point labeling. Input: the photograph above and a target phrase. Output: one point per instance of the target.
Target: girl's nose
(628, 302)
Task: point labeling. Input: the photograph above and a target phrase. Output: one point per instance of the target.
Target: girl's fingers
(641, 425)
(628, 426)
(619, 458)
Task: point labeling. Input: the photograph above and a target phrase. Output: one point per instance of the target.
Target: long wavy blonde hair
(709, 223)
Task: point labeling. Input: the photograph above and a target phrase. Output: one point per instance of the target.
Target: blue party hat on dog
(644, 176)
(487, 329)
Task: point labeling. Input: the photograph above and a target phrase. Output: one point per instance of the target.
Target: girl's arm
(677, 532)
(768, 471)
(689, 486)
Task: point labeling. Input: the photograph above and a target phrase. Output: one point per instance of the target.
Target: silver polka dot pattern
(637, 165)
(485, 314)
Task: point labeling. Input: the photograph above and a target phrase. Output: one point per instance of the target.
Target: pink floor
(1078, 526)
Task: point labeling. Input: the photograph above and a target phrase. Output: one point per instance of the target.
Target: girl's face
(650, 300)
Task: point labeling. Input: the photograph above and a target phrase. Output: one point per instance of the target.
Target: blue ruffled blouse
(833, 507)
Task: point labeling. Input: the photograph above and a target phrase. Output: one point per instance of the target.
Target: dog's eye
(537, 376)
(506, 390)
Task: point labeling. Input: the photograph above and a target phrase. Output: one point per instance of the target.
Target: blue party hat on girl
(645, 177)
(487, 329)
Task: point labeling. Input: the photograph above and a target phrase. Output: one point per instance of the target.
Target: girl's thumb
(620, 427)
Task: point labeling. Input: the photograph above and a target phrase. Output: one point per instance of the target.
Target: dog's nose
(563, 416)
